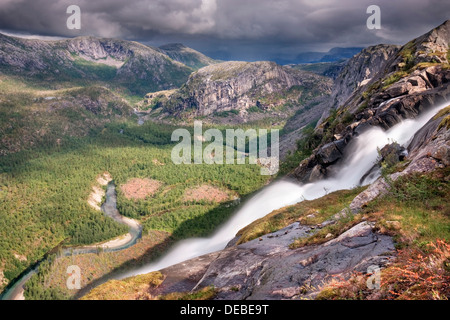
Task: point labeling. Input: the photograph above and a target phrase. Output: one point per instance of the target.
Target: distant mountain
(125, 65)
(334, 55)
(327, 69)
(187, 56)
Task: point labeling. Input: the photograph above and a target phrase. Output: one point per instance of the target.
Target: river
(361, 155)
(109, 208)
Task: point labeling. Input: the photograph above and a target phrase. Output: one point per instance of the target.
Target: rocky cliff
(314, 248)
(399, 84)
(321, 244)
(353, 77)
(357, 73)
(244, 88)
(116, 63)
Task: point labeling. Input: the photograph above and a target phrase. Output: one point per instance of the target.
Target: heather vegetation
(416, 213)
(63, 125)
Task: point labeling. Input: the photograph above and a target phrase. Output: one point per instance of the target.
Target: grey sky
(236, 29)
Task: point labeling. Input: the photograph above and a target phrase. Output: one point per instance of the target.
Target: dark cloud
(251, 29)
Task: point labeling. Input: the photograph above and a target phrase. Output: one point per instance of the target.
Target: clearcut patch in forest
(137, 188)
(206, 192)
(54, 183)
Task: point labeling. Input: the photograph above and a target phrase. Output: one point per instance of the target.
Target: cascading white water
(272, 197)
(361, 155)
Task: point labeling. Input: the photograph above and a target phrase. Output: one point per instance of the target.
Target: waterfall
(361, 154)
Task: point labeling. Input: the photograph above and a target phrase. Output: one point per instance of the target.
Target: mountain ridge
(118, 63)
(410, 80)
(324, 249)
(333, 55)
(188, 56)
(245, 89)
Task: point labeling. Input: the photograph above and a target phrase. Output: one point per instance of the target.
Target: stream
(361, 155)
(109, 208)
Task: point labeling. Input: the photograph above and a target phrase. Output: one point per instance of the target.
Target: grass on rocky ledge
(133, 288)
(206, 293)
(416, 213)
(139, 288)
(445, 114)
(328, 233)
(307, 212)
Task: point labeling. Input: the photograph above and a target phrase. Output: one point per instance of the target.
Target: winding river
(109, 208)
(360, 157)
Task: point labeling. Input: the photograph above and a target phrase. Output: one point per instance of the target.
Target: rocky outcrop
(132, 65)
(354, 76)
(96, 49)
(392, 153)
(400, 84)
(290, 274)
(331, 152)
(242, 85)
(357, 74)
(266, 268)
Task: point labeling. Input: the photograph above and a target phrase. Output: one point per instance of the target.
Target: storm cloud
(231, 29)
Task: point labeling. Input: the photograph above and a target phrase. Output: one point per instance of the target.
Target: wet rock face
(266, 268)
(331, 152)
(400, 84)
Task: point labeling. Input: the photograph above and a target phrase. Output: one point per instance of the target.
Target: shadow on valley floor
(209, 222)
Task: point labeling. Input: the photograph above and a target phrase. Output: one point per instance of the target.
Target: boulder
(331, 152)
(437, 75)
(398, 89)
(392, 153)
